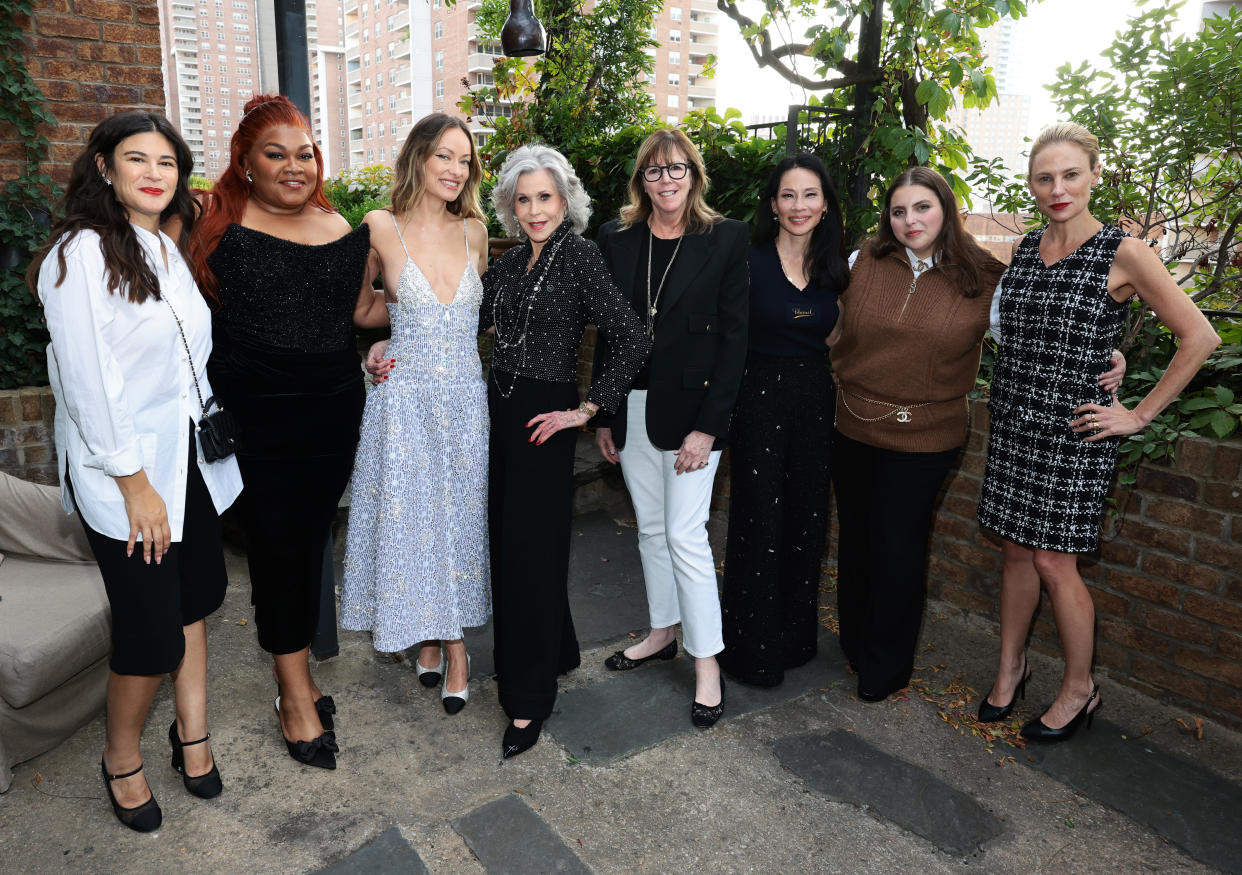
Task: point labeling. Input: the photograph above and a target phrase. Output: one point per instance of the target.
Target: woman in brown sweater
(912, 326)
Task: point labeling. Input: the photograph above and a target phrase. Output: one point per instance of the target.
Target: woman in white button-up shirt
(123, 372)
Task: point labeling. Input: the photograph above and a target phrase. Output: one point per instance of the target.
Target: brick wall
(1167, 584)
(26, 439)
(91, 58)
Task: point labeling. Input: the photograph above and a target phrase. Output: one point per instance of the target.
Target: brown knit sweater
(907, 359)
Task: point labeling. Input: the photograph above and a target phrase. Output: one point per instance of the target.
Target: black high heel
(205, 786)
(320, 752)
(520, 739)
(146, 817)
(620, 662)
(989, 713)
(1035, 730)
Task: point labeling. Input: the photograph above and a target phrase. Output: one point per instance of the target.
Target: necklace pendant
(652, 312)
(903, 415)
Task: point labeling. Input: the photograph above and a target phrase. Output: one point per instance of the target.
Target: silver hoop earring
(249, 178)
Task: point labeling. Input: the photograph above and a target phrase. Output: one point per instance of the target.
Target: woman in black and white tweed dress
(1054, 435)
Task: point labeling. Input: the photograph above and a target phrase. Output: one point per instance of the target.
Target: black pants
(152, 603)
(529, 511)
(780, 444)
(885, 505)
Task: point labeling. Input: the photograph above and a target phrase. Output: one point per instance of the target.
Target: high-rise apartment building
(376, 67)
(220, 53)
(210, 70)
(439, 57)
(1000, 130)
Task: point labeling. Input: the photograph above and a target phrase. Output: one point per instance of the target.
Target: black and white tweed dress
(1044, 487)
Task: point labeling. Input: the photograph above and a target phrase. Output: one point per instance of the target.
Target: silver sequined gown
(416, 560)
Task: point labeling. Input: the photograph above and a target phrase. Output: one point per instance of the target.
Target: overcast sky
(1053, 32)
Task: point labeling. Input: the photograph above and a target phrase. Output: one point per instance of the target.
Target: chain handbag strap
(185, 343)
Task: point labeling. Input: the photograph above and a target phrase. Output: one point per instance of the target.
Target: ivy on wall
(24, 206)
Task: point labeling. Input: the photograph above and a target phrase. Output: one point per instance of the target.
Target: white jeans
(672, 535)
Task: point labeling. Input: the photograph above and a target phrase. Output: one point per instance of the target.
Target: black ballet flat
(325, 708)
(620, 662)
(205, 786)
(1036, 730)
(705, 716)
(146, 817)
(989, 713)
(519, 740)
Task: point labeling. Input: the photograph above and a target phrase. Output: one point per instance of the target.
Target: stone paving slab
(508, 837)
(596, 723)
(1195, 809)
(607, 598)
(387, 854)
(844, 767)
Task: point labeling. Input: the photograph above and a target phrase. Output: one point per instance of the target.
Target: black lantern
(522, 35)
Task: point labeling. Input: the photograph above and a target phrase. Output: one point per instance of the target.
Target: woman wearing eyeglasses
(683, 267)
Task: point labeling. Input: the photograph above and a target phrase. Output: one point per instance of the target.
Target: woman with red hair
(287, 279)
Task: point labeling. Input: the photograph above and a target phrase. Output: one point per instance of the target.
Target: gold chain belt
(901, 412)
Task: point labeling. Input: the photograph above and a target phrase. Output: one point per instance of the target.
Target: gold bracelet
(585, 407)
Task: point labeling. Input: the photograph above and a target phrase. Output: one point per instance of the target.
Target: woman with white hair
(539, 296)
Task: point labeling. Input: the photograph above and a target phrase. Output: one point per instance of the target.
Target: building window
(672, 119)
(440, 89)
(439, 29)
(674, 36)
(675, 13)
(672, 100)
(674, 59)
(439, 60)
(674, 79)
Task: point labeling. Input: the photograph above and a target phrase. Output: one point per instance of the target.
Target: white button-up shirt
(124, 392)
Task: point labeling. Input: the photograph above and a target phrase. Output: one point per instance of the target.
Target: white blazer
(124, 393)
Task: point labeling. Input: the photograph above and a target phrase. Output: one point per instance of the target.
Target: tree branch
(766, 56)
(1222, 256)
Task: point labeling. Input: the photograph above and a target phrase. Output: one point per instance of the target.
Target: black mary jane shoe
(1036, 730)
(989, 713)
(620, 662)
(705, 716)
(520, 739)
(146, 817)
(206, 786)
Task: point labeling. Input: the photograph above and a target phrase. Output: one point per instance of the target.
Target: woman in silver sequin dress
(416, 561)
(1054, 433)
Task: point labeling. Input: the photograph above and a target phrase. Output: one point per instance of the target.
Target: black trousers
(529, 511)
(780, 445)
(151, 603)
(886, 501)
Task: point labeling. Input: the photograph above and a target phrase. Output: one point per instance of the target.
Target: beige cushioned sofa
(54, 625)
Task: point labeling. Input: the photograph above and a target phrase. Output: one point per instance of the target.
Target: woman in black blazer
(683, 268)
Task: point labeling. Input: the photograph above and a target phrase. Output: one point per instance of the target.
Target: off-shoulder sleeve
(78, 312)
(628, 344)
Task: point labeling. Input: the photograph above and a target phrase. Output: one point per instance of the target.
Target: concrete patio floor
(802, 778)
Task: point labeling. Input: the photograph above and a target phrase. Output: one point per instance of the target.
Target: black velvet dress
(286, 364)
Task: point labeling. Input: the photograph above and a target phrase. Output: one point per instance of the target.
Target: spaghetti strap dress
(1044, 486)
(416, 556)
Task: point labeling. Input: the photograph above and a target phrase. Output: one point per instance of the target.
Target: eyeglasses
(653, 172)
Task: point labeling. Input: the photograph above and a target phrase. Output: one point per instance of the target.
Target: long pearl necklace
(509, 336)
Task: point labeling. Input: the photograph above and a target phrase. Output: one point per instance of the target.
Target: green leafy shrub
(357, 191)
